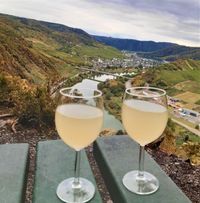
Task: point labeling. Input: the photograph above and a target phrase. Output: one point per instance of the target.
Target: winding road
(196, 132)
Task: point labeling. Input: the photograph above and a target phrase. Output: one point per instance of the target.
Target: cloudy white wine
(78, 125)
(144, 121)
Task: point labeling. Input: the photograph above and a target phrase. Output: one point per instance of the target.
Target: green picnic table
(55, 162)
(115, 156)
(13, 172)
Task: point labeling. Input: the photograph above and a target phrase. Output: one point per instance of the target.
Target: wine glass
(78, 119)
(144, 116)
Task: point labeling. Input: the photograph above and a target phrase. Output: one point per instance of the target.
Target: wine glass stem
(76, 183)
(141, 162)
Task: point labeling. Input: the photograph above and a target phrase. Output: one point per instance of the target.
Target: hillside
(133, 45)
(153, 50)
(170, 74)
(41, 51)
(180, 79)
(173, 53)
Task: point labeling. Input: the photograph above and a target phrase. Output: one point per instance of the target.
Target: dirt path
(196, 132)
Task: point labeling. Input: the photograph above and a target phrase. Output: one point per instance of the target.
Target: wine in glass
(78, 118)
(144, 116)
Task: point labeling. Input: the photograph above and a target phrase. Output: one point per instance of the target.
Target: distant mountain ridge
(43, 51)
(82, 35)
(153, 50)
(132, 44)
(173, 53)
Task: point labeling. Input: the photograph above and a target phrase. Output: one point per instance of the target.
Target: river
(109, 120)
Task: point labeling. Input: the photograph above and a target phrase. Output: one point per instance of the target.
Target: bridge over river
(102, 72)
(56, 87)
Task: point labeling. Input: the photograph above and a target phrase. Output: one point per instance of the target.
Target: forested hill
(176, 77)
(173, 53)
(39, 51)
(154, 50)
(133, 45)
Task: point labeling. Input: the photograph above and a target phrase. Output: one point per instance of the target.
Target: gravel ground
(187, 177)
(97, 174)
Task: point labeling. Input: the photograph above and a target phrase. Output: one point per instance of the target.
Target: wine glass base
(145, 185)
(67, 193)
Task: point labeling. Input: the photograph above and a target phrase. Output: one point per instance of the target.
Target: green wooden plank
(118, 155)
(13, 170)
(55, 162)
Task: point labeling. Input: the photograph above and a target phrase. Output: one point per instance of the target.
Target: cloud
(176, 21)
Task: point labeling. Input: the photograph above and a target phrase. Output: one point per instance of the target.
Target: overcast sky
(175, 21)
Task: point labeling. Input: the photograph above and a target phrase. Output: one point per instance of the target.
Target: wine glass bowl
(78, 119)
(144, 116)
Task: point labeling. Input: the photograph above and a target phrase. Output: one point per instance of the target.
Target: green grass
(174, 77)
(98, 51)
(37, 76)
(181, 71)
(183, 135)
(173, 91)
(182, 79)
(189, 85)
(42, 45)
(117, 100)
(198, 102)
(67, 70)
(187, 136)
(54, 51)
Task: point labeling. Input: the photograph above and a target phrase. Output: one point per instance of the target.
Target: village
(179, 111)
(131, 59)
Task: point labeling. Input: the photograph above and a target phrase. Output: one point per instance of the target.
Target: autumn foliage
(31, 104)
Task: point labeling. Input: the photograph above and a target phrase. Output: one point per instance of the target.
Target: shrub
(2, 81)
(198, 102)
(108, 95)
(31, 104)
(35, 109)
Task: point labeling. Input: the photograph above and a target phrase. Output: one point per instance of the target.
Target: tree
(197, 127)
